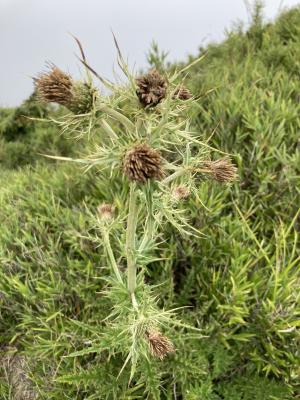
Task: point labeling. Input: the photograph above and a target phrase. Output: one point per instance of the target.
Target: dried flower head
(106, 211)
(54, 86)
(160, 345)
(182, 93)
(180, 192)
(222, 170)
(142, 162)
(58, 87)
(152, 88)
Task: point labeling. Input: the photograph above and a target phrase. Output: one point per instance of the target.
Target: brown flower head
(222, 170)
(54, 86)
(106, 211)
(160, 345)
(141, 162)
(182, 93)
(180, 192)
(152, 88)
(58, 87)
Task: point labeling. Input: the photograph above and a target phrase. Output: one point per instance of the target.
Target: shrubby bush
(23, 138)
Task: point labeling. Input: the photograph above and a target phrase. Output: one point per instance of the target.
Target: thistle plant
(142, 143)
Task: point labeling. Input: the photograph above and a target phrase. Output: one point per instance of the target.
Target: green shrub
(16, 122)
(24, 140)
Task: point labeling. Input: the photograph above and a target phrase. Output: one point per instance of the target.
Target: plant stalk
(149, 226)
(130, 241)
(173, 176)
(183, 171)
(110, 254)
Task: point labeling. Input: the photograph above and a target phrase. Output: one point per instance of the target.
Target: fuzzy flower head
(160, 345)
(141, 163)
(58, 87)
(54, 86)
(106, 211)
(180, 192)
(151, 88)
(222, 170)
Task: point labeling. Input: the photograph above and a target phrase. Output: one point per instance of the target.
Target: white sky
(33, 31)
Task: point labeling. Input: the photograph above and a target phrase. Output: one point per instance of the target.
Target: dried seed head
(180, 192)
(152, 88)
(142, 162)
(54, 86)
(159, 344)
(222, 170)
(58, 87)
(182, 93)
(106, 211)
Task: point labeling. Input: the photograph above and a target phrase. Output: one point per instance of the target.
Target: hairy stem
(110, 254)
(118, 116)
(175, 175)
(130, 240)
(149, 226)
(183, 171)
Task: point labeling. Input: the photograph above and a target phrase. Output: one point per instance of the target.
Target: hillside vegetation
(238, 284)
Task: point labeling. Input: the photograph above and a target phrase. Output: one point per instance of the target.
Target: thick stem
(118, 116)
(183, 171)
(130, 240)
(110, 254)
(149, 226)
(175, 175)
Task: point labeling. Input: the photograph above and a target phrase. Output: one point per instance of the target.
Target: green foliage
(255, 106)
(157, 58)
(237, 285)
(17, 122)
(23, 138)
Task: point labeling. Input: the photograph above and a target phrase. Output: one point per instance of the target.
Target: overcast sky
(33, 31)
